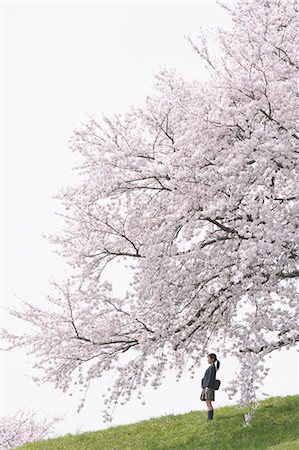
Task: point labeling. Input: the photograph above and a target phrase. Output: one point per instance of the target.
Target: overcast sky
(62, 61)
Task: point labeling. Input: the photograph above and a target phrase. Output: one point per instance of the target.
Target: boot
(210, 414)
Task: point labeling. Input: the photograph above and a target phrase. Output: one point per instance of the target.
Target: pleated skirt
(207, 394)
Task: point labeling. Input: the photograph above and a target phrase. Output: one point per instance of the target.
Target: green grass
(275, 427)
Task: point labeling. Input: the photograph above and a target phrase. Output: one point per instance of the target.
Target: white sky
(60, 62)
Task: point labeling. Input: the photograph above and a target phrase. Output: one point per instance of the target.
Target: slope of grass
(275, 427)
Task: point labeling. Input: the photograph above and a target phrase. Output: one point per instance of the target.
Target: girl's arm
(211, 377)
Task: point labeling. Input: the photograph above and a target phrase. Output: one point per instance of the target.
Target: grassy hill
(275, 427)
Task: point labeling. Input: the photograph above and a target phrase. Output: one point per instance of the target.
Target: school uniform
(207, 384)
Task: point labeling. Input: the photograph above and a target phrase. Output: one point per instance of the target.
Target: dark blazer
(209, 377)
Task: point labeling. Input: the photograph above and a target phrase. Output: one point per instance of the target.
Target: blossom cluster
(24, 427)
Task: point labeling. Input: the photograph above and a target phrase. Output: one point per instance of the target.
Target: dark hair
(212, 355)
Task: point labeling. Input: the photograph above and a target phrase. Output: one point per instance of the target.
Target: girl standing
(208, 384)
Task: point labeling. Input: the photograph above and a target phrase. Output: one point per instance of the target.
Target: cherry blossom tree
(23, 427)
(197, 194)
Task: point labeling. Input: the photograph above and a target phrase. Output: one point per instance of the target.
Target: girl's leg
(210, 409)
(209, 405)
